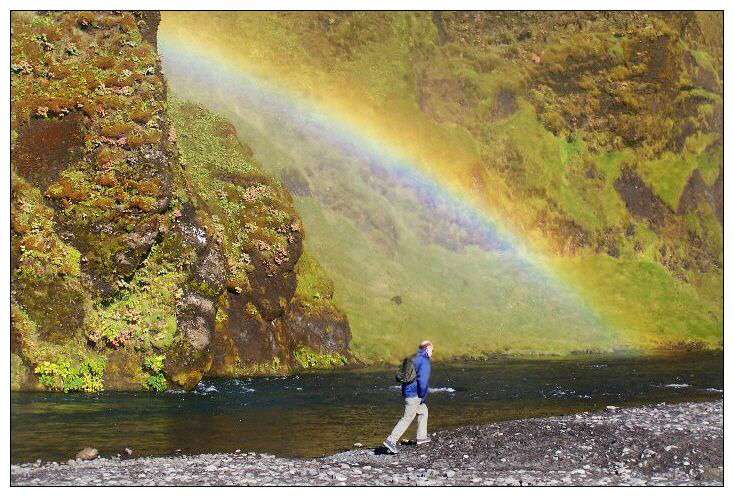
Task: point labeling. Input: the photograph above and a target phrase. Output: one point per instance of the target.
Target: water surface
(321, 413)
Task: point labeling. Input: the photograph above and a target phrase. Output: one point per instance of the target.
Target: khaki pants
(413, 407)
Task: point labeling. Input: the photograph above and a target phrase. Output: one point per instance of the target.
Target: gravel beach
(664, 444)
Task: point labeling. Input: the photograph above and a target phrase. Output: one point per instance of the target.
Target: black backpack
(406, 373)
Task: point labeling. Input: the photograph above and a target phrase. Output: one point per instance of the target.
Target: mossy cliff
(146, 247)
(278, 300)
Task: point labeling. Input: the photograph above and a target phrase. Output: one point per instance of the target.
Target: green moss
(202, 287)
(249, 211)
(309, 359)
(710, 163)
(237, 369)
(314, 288)
(68, 365)
(78, 66)
(144, 315)
(81, 75)
(557, 167)
(669, 174)
(704, 60)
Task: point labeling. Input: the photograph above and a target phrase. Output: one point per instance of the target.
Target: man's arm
(423, 371)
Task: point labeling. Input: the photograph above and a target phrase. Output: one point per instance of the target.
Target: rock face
(276, 312)
(128, 271)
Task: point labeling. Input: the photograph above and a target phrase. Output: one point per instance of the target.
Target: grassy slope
(381, 66)
(469, 303)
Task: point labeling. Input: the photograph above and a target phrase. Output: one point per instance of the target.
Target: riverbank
(678, 444)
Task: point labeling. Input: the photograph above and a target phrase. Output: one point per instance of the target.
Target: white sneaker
(390, 446)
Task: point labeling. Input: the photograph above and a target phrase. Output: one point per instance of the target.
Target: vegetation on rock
(156, 381)
(310, 359)
(253, 220)
(121, 251)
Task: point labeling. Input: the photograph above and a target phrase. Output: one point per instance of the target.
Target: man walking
(415, 395)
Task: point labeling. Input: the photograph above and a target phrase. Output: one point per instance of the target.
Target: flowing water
(322, 413)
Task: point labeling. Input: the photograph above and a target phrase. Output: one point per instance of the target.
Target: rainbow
(443, 184)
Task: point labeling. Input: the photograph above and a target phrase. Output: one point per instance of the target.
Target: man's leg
(422, 412)
(411, 405)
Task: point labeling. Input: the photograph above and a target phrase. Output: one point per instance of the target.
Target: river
(321, 413)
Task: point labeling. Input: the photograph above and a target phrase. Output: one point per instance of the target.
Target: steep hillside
(144, 255)
(596, 139)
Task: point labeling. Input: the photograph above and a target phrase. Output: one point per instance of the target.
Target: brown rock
(87, 454)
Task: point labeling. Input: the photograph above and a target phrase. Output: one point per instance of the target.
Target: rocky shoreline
(678, 444)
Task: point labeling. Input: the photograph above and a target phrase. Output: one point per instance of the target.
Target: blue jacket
(419, 387)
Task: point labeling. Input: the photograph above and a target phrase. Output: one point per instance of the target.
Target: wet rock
(212, 269)
(87, 454)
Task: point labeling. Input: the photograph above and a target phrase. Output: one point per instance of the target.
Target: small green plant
(63, 376)
(41, 21)
(154, 363)
(275, 364)
(156, 381)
